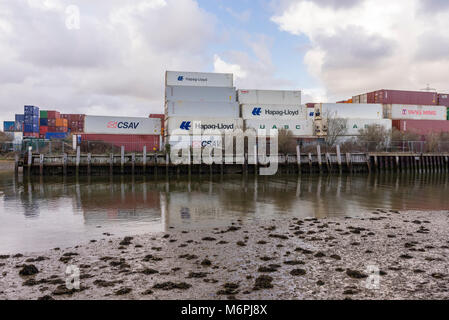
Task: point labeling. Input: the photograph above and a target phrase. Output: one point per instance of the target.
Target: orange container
(61, 122)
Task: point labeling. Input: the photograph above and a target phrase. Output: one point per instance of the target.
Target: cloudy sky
(111, 58)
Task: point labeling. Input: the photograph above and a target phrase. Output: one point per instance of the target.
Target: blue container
(31, 110)
(30, 128)
(55, 135)
(18, 125)
(9, 126)
(43, 121)
(31, 119)
(20, 118)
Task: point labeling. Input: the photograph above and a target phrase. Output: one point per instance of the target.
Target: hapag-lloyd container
(269, 97)
(414, 112)
(405, 97)
(200, 109)
(297, 127)
(185, 125)
(121, 125)
(200, 94)
(131, 142)
(354, 126)
(422, 127)
(275, 111)
(349, 110)
(199, 79)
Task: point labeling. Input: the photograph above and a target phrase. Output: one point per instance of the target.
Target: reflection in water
(46, 212)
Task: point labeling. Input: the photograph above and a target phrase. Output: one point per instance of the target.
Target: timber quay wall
(160, 164)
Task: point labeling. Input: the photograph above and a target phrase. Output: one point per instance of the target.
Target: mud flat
(378, 255)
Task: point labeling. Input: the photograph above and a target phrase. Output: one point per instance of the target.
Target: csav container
(422, 127)
(201, 109)
(405, 97)
(275, 111)
(297, 127)
(186, 125)
(269, 97)
(198, 79)
(121, 125)
(348, 110)
(414, 112)
(132, 143)
(200, 94)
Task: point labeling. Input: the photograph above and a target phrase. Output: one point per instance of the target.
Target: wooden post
(328, 162)
(133, 163)
(318, 152)
(190, 166)
(16, 164)
(310, 163)
(167, 162)
(111, 164)
(256, 162)
(122, 159)
(446, 159)
(155, 165)
(376, 165)
(368, 162)
(77, 161)
(89, 159)
(30, 159)
(64, 164)
(298, 158)
(339, 159)
(49, 147)
(41, 164)
(144, 159)
(397, 163)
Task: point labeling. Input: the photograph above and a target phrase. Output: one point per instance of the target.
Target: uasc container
(121, 125)
(200, 109)
(353, 126)
(269, 97)
(198, 79)
(297, 127)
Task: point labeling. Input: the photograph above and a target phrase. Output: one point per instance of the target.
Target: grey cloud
(434, 5)
(432, 47)
(281, 5)
(353, 48)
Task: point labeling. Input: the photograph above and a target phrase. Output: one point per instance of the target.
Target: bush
(375, 136)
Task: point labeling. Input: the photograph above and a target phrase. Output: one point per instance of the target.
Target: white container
(414, 112)
(198, 79)
(200, 94)
(186, 141)
(269, 97)
(121, 125)
(355, 125)
(202, 109)
(356, 99)
(349, 110)
(275, 111)
(185, 125)
(297, 127)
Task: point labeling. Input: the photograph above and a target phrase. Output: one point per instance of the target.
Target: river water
(43, 213)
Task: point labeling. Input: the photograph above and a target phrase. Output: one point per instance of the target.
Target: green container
(44, 114)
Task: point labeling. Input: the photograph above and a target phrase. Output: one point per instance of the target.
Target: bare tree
(376, 136)
(286, 141)
(336, 127)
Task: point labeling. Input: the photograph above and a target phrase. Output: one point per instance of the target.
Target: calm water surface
(43, 213)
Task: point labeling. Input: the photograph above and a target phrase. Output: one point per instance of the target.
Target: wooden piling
(144, 159)
(349, 162)
(328, 162)
(339, 159)
(397, 163)
(298, 158)
(30, 160)
(318, 152)
(167, 163)
(111, 164)
(77, 161)
(310, 163)
(64, 164)
(133, 163)
(89, 159)
(41, 164)
(16, 164)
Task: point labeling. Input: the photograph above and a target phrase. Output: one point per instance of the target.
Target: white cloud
(224, 67)
(371, 44)
(115, 62)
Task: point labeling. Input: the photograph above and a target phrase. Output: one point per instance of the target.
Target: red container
(61, 129)
(443, 99)
(53, 115)
(422, 127)
(51, 129)
(52, 123)
(43, 130)
(31, 134)
(132, 143)
(405, 97)
(371, 97)
(76, 117)
(310, 105)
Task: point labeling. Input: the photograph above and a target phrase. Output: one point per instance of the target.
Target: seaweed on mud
(172, 286)
(263, 282)
(28, 270)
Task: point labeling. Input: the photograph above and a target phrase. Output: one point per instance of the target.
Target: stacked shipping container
(31, 122)
(199, 101)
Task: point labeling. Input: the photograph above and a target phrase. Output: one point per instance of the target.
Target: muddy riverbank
(379, 255)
